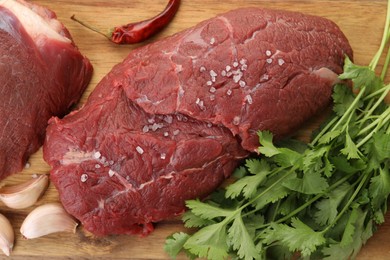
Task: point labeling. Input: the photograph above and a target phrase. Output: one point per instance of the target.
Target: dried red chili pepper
(139, 31)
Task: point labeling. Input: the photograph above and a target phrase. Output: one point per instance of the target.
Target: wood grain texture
(361, 20)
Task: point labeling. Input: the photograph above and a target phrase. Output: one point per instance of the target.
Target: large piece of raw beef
(42, 74)
(173, 120)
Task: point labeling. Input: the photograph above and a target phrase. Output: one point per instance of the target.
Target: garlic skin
(25, 194)
(47, 219)
(7, 235)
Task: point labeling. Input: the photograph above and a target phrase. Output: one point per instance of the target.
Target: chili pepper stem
(108, 35)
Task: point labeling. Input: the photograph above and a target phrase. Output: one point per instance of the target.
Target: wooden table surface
(361, 20)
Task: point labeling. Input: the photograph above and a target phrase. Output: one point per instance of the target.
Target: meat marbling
(172, 120)
(41, 74)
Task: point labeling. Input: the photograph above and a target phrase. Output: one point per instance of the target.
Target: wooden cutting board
(361, 20)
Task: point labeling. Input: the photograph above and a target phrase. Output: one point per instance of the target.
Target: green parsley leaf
(363, 199)
(362, 76)
(328, 167)
(205, 210)
(310, 183)
(379, 216)
(240, 172)
(377, 149)
(350, 149)
(342, 98)
(287, 158)
(341, 163)
(328, 207)
(288, 205)
(242, 241)
(210, 242)
(283, 156)
(359, 235)
(256, 166)
(293, 144)
(349, 231)
(313, 159)
(253, 222)
(218, 199)
(272, 191)
(335, 251)
(330, 136)
(297, 237)
(267, 147)
(191, 220)
(379, 188)
(247, 186)
(174, 243)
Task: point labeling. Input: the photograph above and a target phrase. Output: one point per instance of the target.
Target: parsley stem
(318, 196)
(308, 203)
(388, 129)
(373, 107)
(385, 65)
(378, 123)
(299, 209)
(350, 109)
(378, 92)
(362, 181)
(275, 211)
(269, 188)
(373, 123)
(324, 130)
(276, 171)
(384, 41)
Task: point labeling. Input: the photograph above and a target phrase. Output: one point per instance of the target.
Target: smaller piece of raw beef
(42, 74)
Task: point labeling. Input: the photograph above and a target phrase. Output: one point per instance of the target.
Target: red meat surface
(175, 118)
(42, 74)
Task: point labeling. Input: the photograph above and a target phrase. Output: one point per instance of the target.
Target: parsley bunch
(320, 200)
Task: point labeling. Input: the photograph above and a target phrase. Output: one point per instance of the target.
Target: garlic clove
(25, 194)
(7, 235)
(47, 219)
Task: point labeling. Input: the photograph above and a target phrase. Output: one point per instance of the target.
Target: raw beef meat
(41, 74)
(172, 120)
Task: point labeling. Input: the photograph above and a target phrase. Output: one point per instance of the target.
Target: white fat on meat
(36, 25)
(77, 157)
(328, 74)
